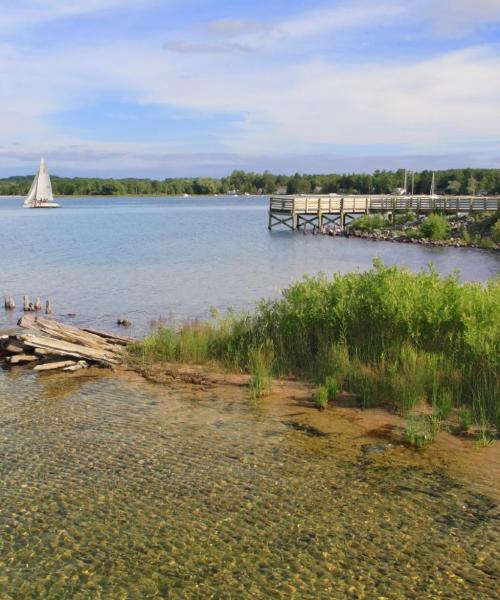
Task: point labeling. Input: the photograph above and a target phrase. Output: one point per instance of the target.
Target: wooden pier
(295, 212)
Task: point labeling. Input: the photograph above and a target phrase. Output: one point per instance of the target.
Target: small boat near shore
(40, 194)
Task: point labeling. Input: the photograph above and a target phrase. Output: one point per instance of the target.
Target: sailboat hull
(46, 205)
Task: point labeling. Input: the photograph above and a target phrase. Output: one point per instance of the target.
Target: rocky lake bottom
(113, 487)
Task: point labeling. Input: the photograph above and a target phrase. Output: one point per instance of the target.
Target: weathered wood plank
(18, 359)
(71, 349)
(53, 366)
(111, 337)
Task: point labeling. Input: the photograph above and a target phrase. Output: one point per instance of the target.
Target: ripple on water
(115, 489)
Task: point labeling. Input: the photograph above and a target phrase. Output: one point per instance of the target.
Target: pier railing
(292, 211)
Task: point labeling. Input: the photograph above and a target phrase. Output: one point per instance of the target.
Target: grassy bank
(482, 230)
(395, 338)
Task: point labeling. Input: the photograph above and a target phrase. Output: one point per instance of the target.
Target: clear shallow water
(118, 489)
(112, 488)
(149, 257)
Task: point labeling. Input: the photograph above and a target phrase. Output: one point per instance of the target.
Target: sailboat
(40, 194)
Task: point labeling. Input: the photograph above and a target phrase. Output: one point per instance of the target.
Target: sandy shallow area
(376, 431)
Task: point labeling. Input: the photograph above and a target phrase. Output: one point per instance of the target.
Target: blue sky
(162, 88)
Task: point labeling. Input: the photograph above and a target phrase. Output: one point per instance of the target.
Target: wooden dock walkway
(297, 211)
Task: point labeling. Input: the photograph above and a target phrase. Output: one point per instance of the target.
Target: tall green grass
(394, 337)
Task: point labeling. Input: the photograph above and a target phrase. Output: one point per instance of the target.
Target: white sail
(40, 194)
(30, 198)
(44, 187)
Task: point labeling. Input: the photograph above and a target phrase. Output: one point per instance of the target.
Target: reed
(394, 337)
(422, 430)
(321, 397)
(260, 374)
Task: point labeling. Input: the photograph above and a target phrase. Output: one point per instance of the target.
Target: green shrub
(413, 233)
(369, 222)
(407, 217)
(435, 227)
(495, 232)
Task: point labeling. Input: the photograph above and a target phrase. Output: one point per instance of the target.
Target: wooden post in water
(48, 308)
(9, 303)
(26, 303)
(38, 303)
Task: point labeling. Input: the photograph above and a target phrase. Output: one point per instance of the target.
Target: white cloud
(252, 34)
(355, 15)
(236, 27)
(449, 99)
(440, 104)
(460, 17)
(183, 47)
(22, 13)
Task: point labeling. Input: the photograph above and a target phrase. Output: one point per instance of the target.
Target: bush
(435, 227)
(369, 222)
(407, 217)
(413, 233)
(495, 232)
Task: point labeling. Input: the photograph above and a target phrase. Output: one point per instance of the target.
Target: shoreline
(376, 433)
(392, 237)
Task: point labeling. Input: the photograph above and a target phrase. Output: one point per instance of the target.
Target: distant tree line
(452, 181)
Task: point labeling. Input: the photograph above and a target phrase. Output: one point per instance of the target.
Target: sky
(162, 88)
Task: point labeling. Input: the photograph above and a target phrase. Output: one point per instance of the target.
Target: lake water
(111, 487)
(144, 258)
(118, 489)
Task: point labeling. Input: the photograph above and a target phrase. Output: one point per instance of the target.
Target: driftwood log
(57, 346)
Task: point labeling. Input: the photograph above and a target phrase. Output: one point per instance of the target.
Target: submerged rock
(124, 322)
(307, 429)
(376, 448)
